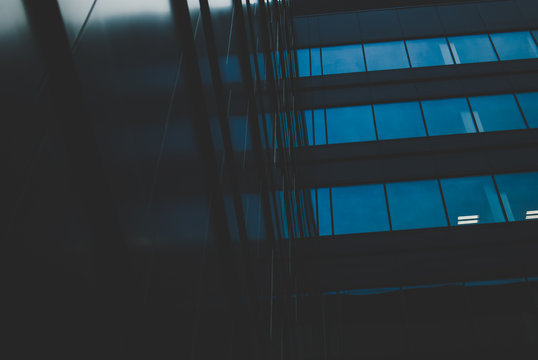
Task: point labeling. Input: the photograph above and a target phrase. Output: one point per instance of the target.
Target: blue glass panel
(386, 55)
(429, 52)
(303, 62)
(324, 212)
(342, 59)
(399, 120)
(497, 112)
(350, 124)
(309, 130)
(315, 61)
(471, 49)
(472, 200)
(519, 194)
(359, 209)
(415, 205)
(448, 116)
(314, 204)
(515, 45)
(529, 105)
(319, 127)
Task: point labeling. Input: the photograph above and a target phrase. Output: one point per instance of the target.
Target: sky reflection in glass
(303, 62)
(471, 49)
(429, 52)
(399, 120)
(342, 59)
(386, 55)
(324, 212)
(515, 45)
(496, 112)
(350, 124)
(448, 116)
(519, 194)
(529, 105)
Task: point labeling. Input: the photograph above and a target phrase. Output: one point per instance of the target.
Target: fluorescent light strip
(463, 222)
(468, 217)
(532, 212)
(531, 217)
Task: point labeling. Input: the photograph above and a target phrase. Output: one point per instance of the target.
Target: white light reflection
(468, 219)
(531, 215)
(118, 8)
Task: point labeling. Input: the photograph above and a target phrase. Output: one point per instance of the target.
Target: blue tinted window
(349, 124)
(399, 120)
(386, 55)
(315, 61)
(415, 204)
(472, 200)
(497, 112)
(314, 205)
(303, 62)
(515, 45)
(448, 116)
(309, 130)
(359, 209)
(529, 105)
(319, 127)
(519, 194)
(342, 59)
(472, 48)
(324, 212)
(429, 52)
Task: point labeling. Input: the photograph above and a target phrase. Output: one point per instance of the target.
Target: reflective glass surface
(324, 212)
(399, 120)
(472, 48)
(529, 105)
(319, 127)
(303, 62)
(359, 209)
(315, 60)
(519, 194)
(496, 112)
(309, 130)
(342, 59)
(448, 116)
(415, 205)
(386, 55)
(515, 45)
(471, 200)
(350, 124)
(429, 52)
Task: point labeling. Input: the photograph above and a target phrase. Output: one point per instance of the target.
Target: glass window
(472, 200)
(529, 105)
(309, 130)
(324, 212)
(315, 61)
(515, 45)
(359, 209)
(448, 116)
(399, 120)
(471, 49)
(497, 112)
(350, 124)
(519, 194)
(303, 62)
(386, 55)
(342, 59)
(319, 127)
(415, 205)
(429, 52)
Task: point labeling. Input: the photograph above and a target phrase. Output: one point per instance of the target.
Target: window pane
(497, 112)
(324, 212)
(350, 124)
(303, 61)
(519, 194)
(359, 209)
(472, 48)
(429, 52)
(315, 59)
(471, 200)
(415, 205)
(319, 127)
(529, 105)
(448, 116)
(515, 45)
(386, 55)
(399, 120)
(342, 59)
(309, 130)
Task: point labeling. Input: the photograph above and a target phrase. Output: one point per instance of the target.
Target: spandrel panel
(529, 105)
(386, 55)
(415, 205)
(519, 194)
(496, 112)
(472, 49)
(303, 61)
(515, 45)
(471, 200)
(448, 116)
(342, 59)
(429, 52)
(350, 124)
(399, 120)
(359, 209)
